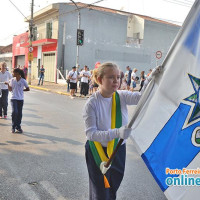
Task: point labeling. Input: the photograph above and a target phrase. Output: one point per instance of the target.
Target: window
(49, 30)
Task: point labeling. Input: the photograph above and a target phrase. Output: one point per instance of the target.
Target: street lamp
(79, 20)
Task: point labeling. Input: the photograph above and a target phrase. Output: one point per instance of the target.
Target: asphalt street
(47, 161)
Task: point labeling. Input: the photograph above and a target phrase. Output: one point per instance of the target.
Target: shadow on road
(51, 138)
(32, 115)
(31, 123)
(4, 124)
(29, 109)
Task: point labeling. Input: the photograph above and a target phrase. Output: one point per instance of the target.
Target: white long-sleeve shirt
(97, 115)
(5, 77)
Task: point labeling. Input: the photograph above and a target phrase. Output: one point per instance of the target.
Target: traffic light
(80, 37)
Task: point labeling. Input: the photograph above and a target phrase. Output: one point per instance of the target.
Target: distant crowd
(85, 81)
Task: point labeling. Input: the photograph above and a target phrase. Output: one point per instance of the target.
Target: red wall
(49, 47)
(17, 50)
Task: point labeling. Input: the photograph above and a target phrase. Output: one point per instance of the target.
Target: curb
(39, 88)
(63, 93)
(48, 90)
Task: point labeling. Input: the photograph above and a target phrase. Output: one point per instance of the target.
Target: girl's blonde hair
(3, 64)
(101, 70)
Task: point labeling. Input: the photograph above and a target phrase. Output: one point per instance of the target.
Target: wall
(18, 50)
(105, 40)
(41, 26)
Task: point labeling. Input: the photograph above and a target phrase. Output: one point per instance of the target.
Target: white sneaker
(72, 97)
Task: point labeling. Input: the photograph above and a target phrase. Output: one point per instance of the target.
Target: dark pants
(68, 87)
(17, 106)
(141, 85)
(4, 102)
(41, 78)
(84, 88)
(97, 190)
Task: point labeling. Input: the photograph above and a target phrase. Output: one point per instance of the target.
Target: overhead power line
(11, 35)
(17, 8)
(74, 10)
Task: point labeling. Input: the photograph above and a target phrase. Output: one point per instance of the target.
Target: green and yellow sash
(116, 122)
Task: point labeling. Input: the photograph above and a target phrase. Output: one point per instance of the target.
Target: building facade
(109, 35)
(20, 54)
(45, 37)
(6, 55)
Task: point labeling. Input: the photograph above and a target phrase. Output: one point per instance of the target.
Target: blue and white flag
(167, 129)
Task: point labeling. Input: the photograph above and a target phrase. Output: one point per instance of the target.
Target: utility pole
(30, 43)
(79, 25)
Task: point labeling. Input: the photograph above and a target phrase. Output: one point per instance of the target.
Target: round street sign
(30, 49)
(158, 54)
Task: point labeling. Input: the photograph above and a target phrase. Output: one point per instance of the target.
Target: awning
(40, 42)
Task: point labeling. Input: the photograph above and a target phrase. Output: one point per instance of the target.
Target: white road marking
(28, 192)
(52, 190)
(24, 187)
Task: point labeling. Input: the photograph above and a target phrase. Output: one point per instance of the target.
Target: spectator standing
(5, 76)
(142, 79)
(16, 85)
(134, 78)
(78, 82)
(95, 85)
(121, 78)
(73, 76)
(85, 75)
(68, 82)
(91, 83)
(123, 85)
(128, 77)
(149, 72)
(25, 72)
(42, 71)
(79, 78)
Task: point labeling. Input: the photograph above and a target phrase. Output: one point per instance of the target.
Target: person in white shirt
(97, 116)
(17, 86)
(5, 76)
(73, 77)
(106, 117)
(85, 75)
(133, 79)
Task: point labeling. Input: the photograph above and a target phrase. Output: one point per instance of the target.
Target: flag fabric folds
(167, 128)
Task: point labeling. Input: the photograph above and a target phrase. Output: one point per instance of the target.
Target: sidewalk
(51, 87)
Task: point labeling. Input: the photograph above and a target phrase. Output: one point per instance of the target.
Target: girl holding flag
(106, 117)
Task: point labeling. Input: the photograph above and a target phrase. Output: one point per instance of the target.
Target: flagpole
(113, 154)
(136, 113)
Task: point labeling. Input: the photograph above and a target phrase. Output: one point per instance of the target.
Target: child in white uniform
(5, 76)
(98, 122)
(17, 86)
